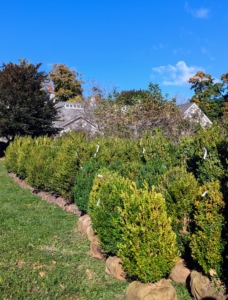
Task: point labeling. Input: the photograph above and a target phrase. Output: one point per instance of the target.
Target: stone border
(61, 202)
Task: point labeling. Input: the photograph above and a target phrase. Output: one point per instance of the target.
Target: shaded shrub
(105, 198)
(202, 154)
(180, 190)
(150, 172)
(128, 169)
(84, 182)
(148, 248)
(207, 244)
(157, 147)
(116, 149)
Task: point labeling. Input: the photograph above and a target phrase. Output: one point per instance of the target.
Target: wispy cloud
(206, 52)
(177, 75)
(159, 46)
(201, 13)
(181, 51)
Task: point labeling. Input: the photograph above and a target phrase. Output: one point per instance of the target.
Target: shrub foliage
(148, 249)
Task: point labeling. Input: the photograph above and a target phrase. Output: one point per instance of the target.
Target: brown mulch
(61, 202)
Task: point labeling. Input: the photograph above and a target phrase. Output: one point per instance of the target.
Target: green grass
(43, 256)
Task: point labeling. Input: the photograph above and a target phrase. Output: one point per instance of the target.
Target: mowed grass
(42, 254)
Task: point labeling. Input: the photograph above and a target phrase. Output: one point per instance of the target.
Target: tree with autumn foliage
(25, 107)
(67, 86)
(132, 112)
(208, 94)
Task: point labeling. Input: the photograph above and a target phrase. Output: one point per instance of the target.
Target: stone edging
(61, 202)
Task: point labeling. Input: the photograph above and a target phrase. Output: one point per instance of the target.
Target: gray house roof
(193, 112)
(184, 107)
(71, 115)
(67, 111)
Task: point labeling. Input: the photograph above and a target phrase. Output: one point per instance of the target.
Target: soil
(61, 202)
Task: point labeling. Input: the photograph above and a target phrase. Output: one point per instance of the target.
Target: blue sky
(124, 44)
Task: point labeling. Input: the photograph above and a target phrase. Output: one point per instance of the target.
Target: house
(194, 113)
(72, 116)
(78, 116)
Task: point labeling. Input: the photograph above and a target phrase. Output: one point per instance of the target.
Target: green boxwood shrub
(180, 190)
(127, 169)
(202, 154)
(11, 154)
(150, 172)
(84, 182)
(207, 244)
(105, 198)
(65, 167)
(39, 166)
(116, 149)
(148, 248)
(28, 153)
(156, 146)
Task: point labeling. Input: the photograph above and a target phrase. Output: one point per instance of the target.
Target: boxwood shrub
(148, 247)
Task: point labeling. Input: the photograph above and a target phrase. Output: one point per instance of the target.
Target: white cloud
(201, 13)
(177, 75)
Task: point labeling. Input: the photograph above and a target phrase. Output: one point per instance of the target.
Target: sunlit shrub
(148, 248)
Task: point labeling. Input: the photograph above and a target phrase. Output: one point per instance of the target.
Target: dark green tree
(132, 97)
(66, 84)
(25, 107)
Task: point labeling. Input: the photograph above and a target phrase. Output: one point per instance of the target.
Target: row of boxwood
(150, 200)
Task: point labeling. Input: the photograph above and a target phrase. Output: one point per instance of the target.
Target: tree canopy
(132, 112)
(209, 94)
(66, 84)
(25, 107)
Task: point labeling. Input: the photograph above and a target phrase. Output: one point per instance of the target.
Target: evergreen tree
(25, 107)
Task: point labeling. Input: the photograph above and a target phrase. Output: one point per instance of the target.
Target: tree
(133, 112)
(25, 107)
(133, 97)
(66, 84)
(208, 94)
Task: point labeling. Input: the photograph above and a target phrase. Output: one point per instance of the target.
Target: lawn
(43, 256)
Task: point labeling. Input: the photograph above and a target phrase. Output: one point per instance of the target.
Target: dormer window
(73, 106)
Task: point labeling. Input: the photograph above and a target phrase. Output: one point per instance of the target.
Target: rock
(90, 233)
(162, 290)
(114, 267)
(83, 223)
(180, 272)
(96, 249)
(201, 288)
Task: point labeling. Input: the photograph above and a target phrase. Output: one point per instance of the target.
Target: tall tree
(25, 107)
(66, 84)
(208, 94)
